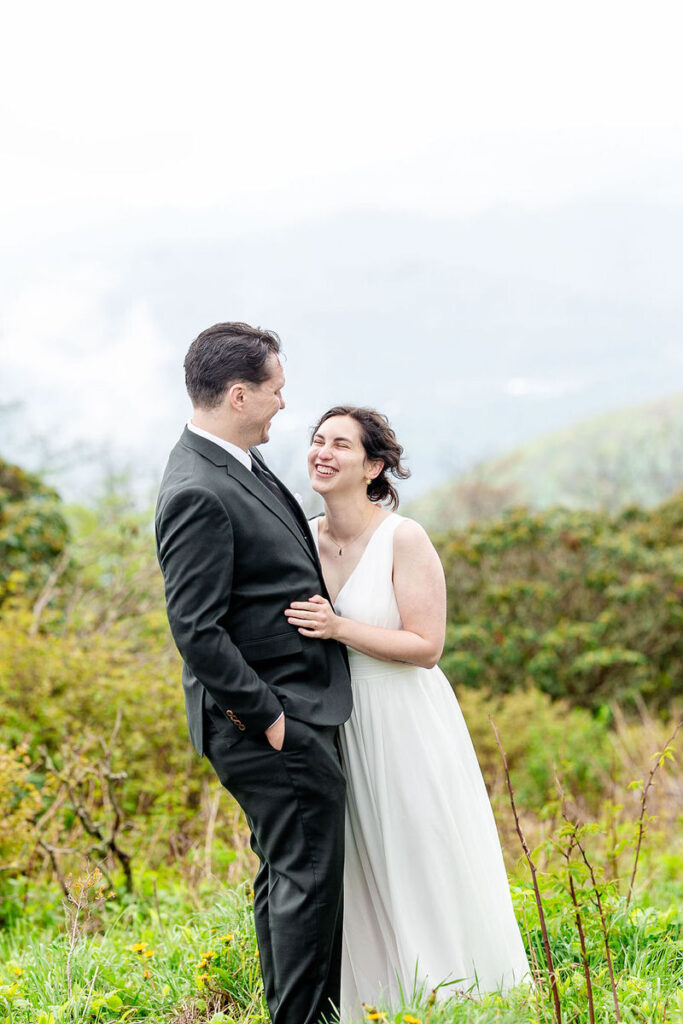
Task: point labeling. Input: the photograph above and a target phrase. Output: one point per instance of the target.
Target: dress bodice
(368, 594)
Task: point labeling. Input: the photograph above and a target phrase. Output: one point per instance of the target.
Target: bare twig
(48, 591)
(612, 852)
(52, 854)
(659, 760)
(603, 922)
(72, 779)
(567, 854)
(158, 908)
(534, 880)
(582, 940)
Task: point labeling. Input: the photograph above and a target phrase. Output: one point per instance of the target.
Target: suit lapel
(267, 498)
(298, 511)
(220, 457)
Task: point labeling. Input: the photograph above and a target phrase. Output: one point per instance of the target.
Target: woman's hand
(315, 618)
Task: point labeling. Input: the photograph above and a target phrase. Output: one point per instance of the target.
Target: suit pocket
(265, 647)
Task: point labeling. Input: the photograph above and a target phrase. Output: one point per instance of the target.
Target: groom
(235, 550)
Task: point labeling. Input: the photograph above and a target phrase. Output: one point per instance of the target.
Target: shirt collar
(233, 449)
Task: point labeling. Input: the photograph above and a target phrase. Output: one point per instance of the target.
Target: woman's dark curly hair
(380, 444)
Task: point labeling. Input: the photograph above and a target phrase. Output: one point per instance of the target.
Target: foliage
(557, 623)
(191, 957)
(539, 735)
(138, 960)
(577, 604)
(33, 530)
(93, 651)
(20, 802)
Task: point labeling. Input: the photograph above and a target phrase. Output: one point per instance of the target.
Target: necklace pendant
(340, 551)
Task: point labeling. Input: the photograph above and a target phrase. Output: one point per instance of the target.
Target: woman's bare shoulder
(409, 535)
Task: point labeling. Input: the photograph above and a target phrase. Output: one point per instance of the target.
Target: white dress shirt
(234, 449)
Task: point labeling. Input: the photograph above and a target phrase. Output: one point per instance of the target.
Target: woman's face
(337, 460)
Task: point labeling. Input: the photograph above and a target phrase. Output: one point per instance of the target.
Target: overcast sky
(254, 115)
(281, 109)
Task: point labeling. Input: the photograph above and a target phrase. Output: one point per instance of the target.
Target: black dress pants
(294, 802)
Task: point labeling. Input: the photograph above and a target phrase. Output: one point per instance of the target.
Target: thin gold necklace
(350, 542)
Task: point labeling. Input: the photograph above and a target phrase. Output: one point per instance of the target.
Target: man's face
(264, 400)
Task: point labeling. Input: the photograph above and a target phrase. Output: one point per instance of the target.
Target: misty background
(468, 218)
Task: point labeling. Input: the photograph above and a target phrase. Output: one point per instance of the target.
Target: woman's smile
(324, 470)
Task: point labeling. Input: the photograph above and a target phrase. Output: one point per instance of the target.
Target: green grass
(170, 954)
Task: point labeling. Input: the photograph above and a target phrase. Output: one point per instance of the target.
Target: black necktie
(267, 480)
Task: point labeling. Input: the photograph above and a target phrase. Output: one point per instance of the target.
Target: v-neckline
(358, 563)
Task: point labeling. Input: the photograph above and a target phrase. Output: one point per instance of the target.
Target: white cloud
(542, 387)
(79, 373)
(290, 108)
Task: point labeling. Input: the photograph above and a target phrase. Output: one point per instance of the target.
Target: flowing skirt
(426, 892)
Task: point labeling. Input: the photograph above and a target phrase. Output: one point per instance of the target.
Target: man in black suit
(235, 550)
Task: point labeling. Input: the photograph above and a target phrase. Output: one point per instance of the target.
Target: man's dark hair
(224, 354)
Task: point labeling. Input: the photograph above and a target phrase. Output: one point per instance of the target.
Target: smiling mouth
(325, 470)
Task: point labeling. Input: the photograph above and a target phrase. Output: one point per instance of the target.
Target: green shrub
(33, 530)
(577, 604)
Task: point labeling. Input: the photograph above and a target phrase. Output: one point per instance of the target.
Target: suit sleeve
(195, 546)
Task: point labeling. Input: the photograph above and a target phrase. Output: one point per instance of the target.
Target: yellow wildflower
(409, 1019)
(146, 973)
(138, 947)
(201, 978)
(226, 938)
(148, 953)
(209, 956)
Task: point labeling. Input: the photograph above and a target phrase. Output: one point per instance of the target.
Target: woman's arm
(421, 597)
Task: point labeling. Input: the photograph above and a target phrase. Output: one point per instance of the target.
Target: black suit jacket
(233, 558)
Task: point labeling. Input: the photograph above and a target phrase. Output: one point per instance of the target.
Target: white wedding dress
(426, 894)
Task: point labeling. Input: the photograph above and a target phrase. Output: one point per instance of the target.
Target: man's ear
(236, 396)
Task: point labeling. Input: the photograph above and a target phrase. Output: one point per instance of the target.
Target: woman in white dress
(426, 893)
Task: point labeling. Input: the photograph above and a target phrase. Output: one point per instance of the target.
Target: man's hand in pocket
(275, 733)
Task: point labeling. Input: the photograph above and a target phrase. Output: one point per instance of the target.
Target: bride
(426, 894)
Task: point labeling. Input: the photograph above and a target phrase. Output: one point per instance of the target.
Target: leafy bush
(33, 530)
(576, 604)
(540, 736)
(20, 802)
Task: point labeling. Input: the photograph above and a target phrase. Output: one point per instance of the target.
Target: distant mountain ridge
(632, 456)
(473, 334)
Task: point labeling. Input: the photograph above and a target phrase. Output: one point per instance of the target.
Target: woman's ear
(373, 469)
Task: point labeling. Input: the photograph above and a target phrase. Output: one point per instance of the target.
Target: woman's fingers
(310, 617)
(302, 622)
